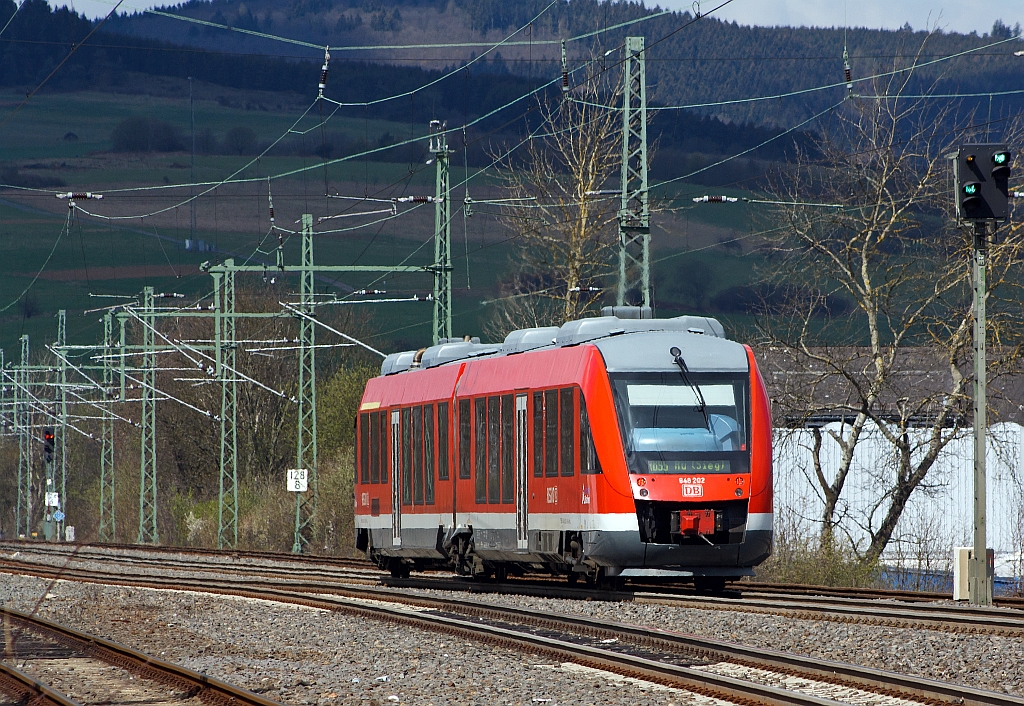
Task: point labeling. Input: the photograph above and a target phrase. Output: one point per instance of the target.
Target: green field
(81, 267)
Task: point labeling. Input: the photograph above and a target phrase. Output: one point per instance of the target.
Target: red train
(609, 447)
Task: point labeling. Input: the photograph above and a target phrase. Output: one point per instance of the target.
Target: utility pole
(442, 266)
(634, 216)
(62, 421)
(147, 476)
(227, 358)
(306, 456)
(108, 527)
(192, 187)
(23, 422)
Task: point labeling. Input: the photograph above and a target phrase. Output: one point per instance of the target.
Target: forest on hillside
(689, 62)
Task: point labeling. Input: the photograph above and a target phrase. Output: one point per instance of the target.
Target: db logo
(693, 491)
(553, 495)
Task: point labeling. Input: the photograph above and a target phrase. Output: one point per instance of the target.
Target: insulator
(323, 71)
(847, 73)
(565, 71)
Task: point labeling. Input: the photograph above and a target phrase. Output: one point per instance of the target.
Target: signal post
(981, 173)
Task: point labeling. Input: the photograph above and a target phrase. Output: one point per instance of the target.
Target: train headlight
(643, 492)
(739, 492)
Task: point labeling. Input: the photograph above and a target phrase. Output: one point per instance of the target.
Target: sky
(952, 16)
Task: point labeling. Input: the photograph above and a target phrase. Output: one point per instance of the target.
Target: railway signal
(981, 175)
(48, 437)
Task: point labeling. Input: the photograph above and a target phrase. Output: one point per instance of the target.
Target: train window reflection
(665, 414)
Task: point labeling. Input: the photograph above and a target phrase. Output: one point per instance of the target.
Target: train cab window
(508, 420)
(382, 437)
(480, 409)
(428, 454)
(465, 439)
(442, 441)
(417, 455)
(364, 448)
(538, 434)
(406, 465)
(493, 449)
(372, 447)
(567, 412)
(588, 454)
(551, 433)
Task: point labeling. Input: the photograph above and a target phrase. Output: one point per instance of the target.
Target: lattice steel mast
(442, 266)
(306, 456)
(147, 477)
(634, 216)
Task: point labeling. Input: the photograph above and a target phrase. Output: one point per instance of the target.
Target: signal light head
(1000, 158)
(971, 188)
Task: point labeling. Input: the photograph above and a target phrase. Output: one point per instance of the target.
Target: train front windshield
(674, 426)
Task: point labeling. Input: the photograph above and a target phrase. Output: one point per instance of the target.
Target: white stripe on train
(608, 522)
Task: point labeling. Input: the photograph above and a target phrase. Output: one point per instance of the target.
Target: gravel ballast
(300, 655)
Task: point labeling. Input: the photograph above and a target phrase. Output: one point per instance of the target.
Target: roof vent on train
(456, 349)
(628, 312)
(583, 330)
(528, 339)
(397, 362)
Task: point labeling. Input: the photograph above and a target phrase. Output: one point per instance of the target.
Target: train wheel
(572, 578)
(398, 570)
(501, 573)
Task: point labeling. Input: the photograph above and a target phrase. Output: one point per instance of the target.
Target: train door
(522, 496)
(396, 479)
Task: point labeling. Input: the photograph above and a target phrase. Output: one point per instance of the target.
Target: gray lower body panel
(614, 551)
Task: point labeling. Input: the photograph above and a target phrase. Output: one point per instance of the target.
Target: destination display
(719, 465)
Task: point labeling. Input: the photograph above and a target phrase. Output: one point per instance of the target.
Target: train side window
(406, 470)
(442, 441)
(382, 436)
(417, 455)
(465, 439)
(428, 454)
(538, 434)
(588, 454)
(364, 448)
(551, 433)
(373, 448)
(568, 426)
(508, 421)
(493, 449)
(480, 408)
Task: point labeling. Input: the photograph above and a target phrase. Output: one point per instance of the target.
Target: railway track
(717, 669)
(310, 577)
(84, 669)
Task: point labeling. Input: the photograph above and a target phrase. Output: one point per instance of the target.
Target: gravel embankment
(304, 656)
(982, 661)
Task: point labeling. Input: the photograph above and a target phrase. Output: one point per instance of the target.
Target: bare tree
(562, 230)
(868, 306)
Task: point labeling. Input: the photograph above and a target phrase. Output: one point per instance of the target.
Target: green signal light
(1000, 157)
(970, 189)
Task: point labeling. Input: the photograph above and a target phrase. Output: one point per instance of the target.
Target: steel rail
(29, 691)
(944, 617)
(354, 599)
(208, 689)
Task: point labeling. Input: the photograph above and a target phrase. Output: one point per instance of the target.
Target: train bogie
(603, 449)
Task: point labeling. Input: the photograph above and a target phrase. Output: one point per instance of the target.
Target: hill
(701, 62)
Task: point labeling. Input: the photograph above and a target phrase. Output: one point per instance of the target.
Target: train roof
(701, 339)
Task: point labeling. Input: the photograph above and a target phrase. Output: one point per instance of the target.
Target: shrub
(240, 140)
(141, 133)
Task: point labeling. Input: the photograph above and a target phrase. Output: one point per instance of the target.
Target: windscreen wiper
(677, 358)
